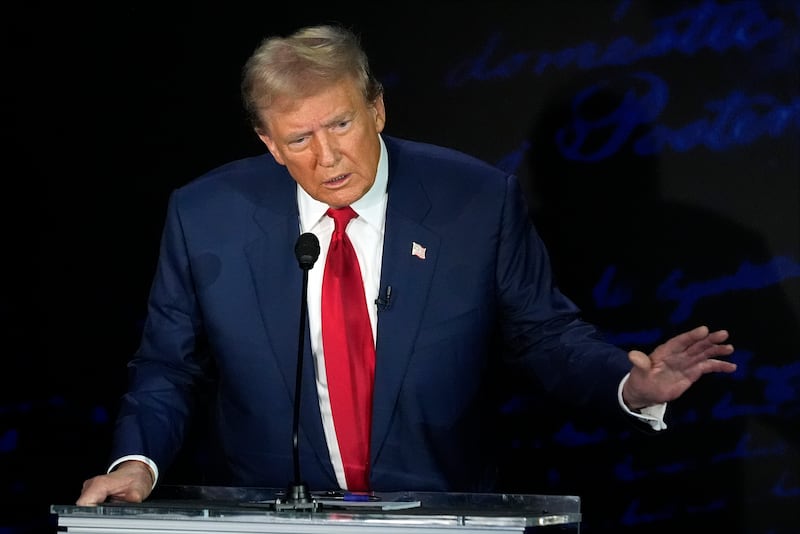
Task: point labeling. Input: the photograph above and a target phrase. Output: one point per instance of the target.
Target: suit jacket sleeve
(166, 369)
(545, 338)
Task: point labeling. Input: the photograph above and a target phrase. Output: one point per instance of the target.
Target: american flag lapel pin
(417, 250)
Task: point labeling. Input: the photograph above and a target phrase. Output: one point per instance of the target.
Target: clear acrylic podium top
(187, 509)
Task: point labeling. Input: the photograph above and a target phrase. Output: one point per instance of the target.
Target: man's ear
(270, 144)
(380, 113)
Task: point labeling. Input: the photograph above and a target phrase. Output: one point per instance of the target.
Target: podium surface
(215, 509)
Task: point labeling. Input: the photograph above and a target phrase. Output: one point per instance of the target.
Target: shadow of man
(644, 266)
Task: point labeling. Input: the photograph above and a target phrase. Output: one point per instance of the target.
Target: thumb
(91, 496)
(639, 359)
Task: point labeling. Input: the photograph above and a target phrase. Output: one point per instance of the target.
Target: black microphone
(383, 302)
(306, 249)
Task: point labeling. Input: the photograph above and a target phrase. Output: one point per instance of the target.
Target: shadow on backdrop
(643, 268)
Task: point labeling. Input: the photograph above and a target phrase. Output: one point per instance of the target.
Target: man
(446, 251)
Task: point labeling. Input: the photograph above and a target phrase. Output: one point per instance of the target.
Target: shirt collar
(371, 207)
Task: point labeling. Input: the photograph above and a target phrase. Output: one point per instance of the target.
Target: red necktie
(349, 351)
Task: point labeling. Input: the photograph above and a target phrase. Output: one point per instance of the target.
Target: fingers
(713, 365)
(696, 341)
(707, 349)
(689, 352)
(713, 338)
(683, 341)
(128, 484)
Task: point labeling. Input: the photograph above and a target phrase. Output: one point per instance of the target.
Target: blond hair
(301, 64)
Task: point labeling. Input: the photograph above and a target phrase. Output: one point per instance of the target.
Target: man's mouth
(336, 179)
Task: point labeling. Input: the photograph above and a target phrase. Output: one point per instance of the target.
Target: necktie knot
(341, 216)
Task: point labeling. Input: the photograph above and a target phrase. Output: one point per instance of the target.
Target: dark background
(659, 143)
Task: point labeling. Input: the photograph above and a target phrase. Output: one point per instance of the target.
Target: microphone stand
(298, 496)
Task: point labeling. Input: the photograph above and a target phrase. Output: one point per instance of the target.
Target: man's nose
(327, 151)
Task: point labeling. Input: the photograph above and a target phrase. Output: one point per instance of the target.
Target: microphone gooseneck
(306, 250)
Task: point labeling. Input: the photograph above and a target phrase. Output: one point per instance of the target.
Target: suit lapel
(409, 277)
(278, 281)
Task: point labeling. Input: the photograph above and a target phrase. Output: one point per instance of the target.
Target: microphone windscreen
(306, 249)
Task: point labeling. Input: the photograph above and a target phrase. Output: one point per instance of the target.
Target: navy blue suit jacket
(226, 294)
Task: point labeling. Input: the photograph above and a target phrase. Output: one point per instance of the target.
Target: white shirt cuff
(150, 463)
(653, 415)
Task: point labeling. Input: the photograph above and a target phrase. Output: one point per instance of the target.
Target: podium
(215, 509)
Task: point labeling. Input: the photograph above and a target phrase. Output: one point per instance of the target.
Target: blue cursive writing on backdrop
(710, 25)
(734, 120)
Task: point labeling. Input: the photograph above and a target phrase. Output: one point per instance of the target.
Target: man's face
(328, 142)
